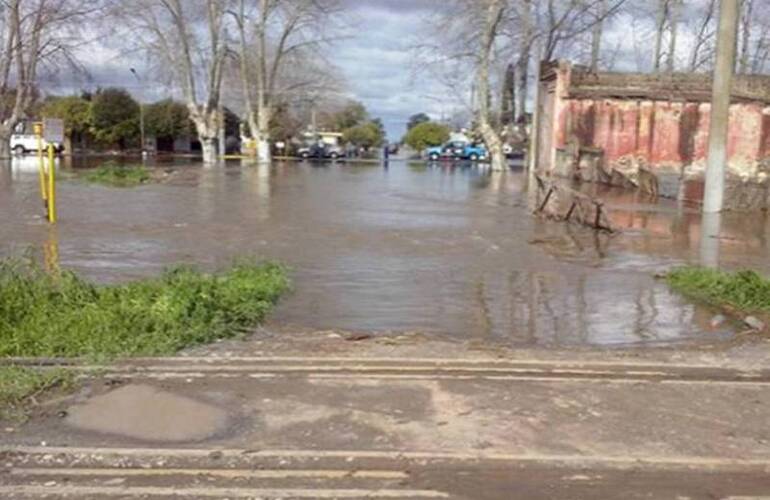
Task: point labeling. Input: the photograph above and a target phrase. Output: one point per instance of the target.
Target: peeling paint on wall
(657, 123)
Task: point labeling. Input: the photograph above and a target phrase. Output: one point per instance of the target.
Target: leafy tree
(426, 134)
(114, 117)
(417, 119)
(350, 116)
(380, 126)
(74, 111)
(367, 135)
(167, 119)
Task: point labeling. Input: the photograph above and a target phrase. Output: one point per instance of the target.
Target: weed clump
(112, 174)
(745, 291)
(63, 315)
(19, 384)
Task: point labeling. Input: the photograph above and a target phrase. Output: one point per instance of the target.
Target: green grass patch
(19, 385)
(112, 174)
(745, 291)
(63, 315)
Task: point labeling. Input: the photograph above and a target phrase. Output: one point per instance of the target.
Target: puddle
(149, 414)
(448, 250)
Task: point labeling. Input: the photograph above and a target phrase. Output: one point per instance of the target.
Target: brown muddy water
(445, 250)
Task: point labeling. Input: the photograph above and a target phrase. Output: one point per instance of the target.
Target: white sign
(53, 130)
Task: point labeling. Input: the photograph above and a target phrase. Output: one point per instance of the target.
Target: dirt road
(382, 422)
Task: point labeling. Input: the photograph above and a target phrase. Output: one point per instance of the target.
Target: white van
(27, 143)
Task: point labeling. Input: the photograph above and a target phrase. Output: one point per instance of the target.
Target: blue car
(457, 150)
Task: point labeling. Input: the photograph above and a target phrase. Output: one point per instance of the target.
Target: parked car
(457, 150)
(513, 153)
(27, 143)
(321, 151)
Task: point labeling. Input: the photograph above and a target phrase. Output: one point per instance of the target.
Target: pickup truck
(27, 143)
(457, 150)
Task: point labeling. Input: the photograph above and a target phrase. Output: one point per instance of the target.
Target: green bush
(112, 174)
(63, 315)
(744, 290)
(426, 134)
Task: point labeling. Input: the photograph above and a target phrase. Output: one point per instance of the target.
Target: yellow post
(38, 128)
(51, 187)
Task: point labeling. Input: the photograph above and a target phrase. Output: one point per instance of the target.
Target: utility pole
(141, 113)
(720, 106)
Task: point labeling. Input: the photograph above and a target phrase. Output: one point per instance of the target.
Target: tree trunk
(206, 126)
(495, 147)
(522, 65)
(5, 142)
(262, 136)
(490, 135)
(748, 7)
(596, 36)
(508, 97)
(674, 16)
(209, 150)
(660, 26)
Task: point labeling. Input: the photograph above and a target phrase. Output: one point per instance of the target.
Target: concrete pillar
(710, 230)
(720, 106)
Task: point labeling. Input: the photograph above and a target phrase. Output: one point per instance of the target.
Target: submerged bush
(112, 174)
(744, 290)
(64, 315)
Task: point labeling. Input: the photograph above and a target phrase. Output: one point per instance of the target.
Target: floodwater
(445, 250)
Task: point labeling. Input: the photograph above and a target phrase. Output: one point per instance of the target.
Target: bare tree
(660, 27)
(596, 35)
(493, 17)
(508, 97)
(35, 34)
(761, 51)
(272, 35)
(675, 10)
(564, 20)
(187, 38)
(746, 25)
(524, 17)
(702, 50)
(551, 26)
(667, 18)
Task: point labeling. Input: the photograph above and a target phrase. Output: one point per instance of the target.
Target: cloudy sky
(375, 60)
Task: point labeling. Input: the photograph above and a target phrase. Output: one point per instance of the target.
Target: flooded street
(449, 251)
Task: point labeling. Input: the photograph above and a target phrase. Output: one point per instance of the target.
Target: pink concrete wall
(664, 133)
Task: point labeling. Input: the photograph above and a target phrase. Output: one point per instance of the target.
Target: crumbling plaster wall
(635, 126)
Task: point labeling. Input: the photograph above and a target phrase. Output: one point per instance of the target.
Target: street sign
(53, 130)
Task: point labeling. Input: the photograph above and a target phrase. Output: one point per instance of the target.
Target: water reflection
(445, 249)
